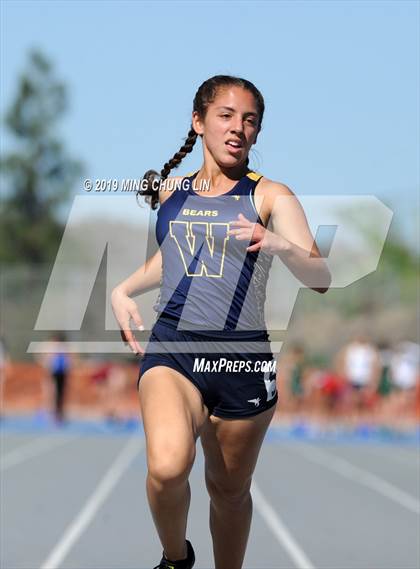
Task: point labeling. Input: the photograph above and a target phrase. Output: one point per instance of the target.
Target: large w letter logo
(203, 242)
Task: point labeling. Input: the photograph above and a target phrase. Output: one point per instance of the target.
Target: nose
(237, 125)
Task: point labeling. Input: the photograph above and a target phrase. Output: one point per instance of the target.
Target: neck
(221, 178)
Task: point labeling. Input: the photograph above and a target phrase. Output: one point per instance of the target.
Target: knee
(233, 490)
(169, 471)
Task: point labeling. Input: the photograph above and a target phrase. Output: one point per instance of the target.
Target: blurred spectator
(333, 389)
(384, 387)
(296, 377)
(404, 367)
(325, 388)
(384, 384)
(293, 375)
(111, 380)
(57, 363)
(4, 367)
(359, 363)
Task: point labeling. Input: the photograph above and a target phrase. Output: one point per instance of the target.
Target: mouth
(234, 145)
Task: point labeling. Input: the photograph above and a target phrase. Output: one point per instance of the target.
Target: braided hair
(205, 95)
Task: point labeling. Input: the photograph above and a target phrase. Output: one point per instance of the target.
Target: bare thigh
(231, 449)
(173, 415)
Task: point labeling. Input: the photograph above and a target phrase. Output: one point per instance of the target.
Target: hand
(254, 232)
(125, 309)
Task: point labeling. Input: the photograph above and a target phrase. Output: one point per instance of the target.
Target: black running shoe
(187, 563)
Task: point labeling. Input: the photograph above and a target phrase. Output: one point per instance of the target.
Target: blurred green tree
(38, 176)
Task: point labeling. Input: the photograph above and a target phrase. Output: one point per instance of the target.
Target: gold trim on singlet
(255, 176)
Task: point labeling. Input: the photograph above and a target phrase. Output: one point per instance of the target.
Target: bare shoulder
(165, 193)
(269, 188)
(266, 193)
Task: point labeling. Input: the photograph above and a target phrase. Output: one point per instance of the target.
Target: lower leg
(230, 524)
(169, 505)
(173, 415)
(59, 405)
(231, 451)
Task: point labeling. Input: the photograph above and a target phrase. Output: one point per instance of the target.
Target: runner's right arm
(146, 278)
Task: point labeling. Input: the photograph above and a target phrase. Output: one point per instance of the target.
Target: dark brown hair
(205, 95)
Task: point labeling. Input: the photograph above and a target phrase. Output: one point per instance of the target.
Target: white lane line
(31, 450)
(357, 474)
(86, 515)
(279, 529)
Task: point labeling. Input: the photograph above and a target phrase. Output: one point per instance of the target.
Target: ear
(197, 123)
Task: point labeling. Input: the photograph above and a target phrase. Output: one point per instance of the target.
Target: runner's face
(230, 126)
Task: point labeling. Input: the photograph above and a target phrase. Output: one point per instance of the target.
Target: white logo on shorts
(256, 401)
(270, 386)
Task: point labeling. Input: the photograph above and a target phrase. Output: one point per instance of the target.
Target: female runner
(215, 251)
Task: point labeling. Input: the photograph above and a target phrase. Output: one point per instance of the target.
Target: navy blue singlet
(209, 280)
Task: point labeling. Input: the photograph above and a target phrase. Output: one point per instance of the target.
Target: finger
(137, 349)
(242, 234)
(128, 335)
(132, 342)
(124, 324)
(140, 350)
(137, 320)
(242, 220)
(254, 247)
(134, 345)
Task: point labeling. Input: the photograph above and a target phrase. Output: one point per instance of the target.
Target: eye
(225, 115)
(251, 121)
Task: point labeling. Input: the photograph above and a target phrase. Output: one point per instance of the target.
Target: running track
(75, 499)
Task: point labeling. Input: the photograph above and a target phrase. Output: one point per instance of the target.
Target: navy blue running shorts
(234, 383)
